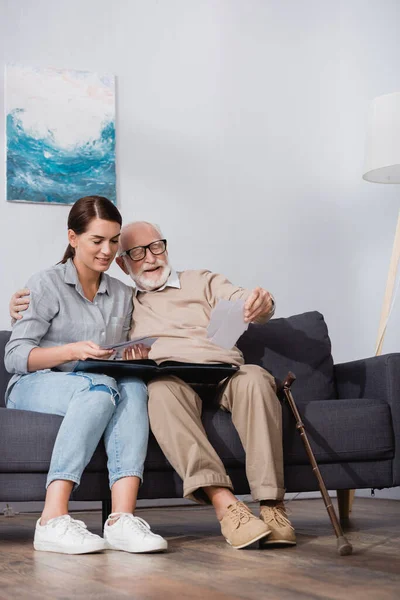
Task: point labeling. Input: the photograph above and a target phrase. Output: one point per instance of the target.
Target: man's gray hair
(129, 226)
(153, 225)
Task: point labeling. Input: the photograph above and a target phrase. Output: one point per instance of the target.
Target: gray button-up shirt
(60, 314)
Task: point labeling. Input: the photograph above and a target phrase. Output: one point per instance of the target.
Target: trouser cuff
(123, 474)
(63, 477)
(267, 493)
(192, 487)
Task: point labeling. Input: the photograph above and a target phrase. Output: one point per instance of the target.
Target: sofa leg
(106, 510)
(345, 502)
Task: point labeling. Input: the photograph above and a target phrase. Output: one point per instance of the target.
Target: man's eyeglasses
(139, 252)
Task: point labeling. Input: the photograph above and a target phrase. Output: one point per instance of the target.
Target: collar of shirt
(71, 277)
(172, 281)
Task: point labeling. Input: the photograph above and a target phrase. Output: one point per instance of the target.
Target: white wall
(241, 129)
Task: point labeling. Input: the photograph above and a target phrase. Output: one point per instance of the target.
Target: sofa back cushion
(299, 344)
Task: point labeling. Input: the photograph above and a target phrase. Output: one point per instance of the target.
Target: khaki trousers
(249, 395)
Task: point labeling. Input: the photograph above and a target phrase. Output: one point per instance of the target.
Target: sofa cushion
(27, 439)
(346, 430)
(338, 430)
(299, 344)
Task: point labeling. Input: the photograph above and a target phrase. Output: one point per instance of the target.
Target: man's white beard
(145, 283)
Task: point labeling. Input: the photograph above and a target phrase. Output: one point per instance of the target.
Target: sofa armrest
(375, 377)
(4, 376)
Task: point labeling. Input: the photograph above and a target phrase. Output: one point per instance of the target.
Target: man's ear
(121, 263)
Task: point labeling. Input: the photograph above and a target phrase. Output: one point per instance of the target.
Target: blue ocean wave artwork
(40, 170)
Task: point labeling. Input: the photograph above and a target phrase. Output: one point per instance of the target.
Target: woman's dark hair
(84, 211)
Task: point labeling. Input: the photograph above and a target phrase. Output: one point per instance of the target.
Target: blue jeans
(92, 405)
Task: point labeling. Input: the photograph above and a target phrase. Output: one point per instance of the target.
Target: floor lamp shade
(382, 165)
(382, 153)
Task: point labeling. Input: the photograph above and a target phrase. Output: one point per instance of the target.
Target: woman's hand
(47, 358)
(136, 352)
(84, 350)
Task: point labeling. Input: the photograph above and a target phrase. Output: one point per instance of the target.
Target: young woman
(75, 309)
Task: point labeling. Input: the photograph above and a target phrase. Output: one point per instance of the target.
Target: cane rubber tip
(344, 547)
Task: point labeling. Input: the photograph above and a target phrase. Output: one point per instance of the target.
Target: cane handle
(290, 378)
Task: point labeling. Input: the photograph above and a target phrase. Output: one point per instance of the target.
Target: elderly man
(176, 307)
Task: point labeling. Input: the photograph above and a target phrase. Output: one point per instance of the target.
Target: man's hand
(136, 352)
(258, 304)
(18, 303)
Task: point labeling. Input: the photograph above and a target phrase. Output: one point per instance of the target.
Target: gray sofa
(351, 412)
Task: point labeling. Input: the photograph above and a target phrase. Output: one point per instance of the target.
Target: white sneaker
(66, 535)
(132, 534)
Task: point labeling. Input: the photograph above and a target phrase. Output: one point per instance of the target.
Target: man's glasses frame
(144, 249)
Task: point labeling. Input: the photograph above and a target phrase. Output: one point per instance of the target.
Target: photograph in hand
(120, 347)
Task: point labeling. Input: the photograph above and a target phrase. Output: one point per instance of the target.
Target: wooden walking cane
(343, 546)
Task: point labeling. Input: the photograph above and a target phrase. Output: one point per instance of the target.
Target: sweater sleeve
(218, 287)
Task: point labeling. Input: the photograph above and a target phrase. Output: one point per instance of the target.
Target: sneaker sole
(136, 551)
(258, 537)
(276, 543)
(47, 547)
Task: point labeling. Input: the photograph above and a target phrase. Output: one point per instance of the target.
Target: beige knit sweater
(180, 317)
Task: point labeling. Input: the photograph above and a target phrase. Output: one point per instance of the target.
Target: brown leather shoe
(282, 531)
(241, 528)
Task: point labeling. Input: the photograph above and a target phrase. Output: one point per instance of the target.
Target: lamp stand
(391, 280)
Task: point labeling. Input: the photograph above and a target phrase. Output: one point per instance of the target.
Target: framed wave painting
(60, 135)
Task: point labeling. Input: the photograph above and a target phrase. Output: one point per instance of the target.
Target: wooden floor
(200, 565)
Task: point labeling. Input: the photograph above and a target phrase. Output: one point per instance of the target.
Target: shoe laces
(136, 523)
(74, 526)
(240, 514)
(276, 513)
